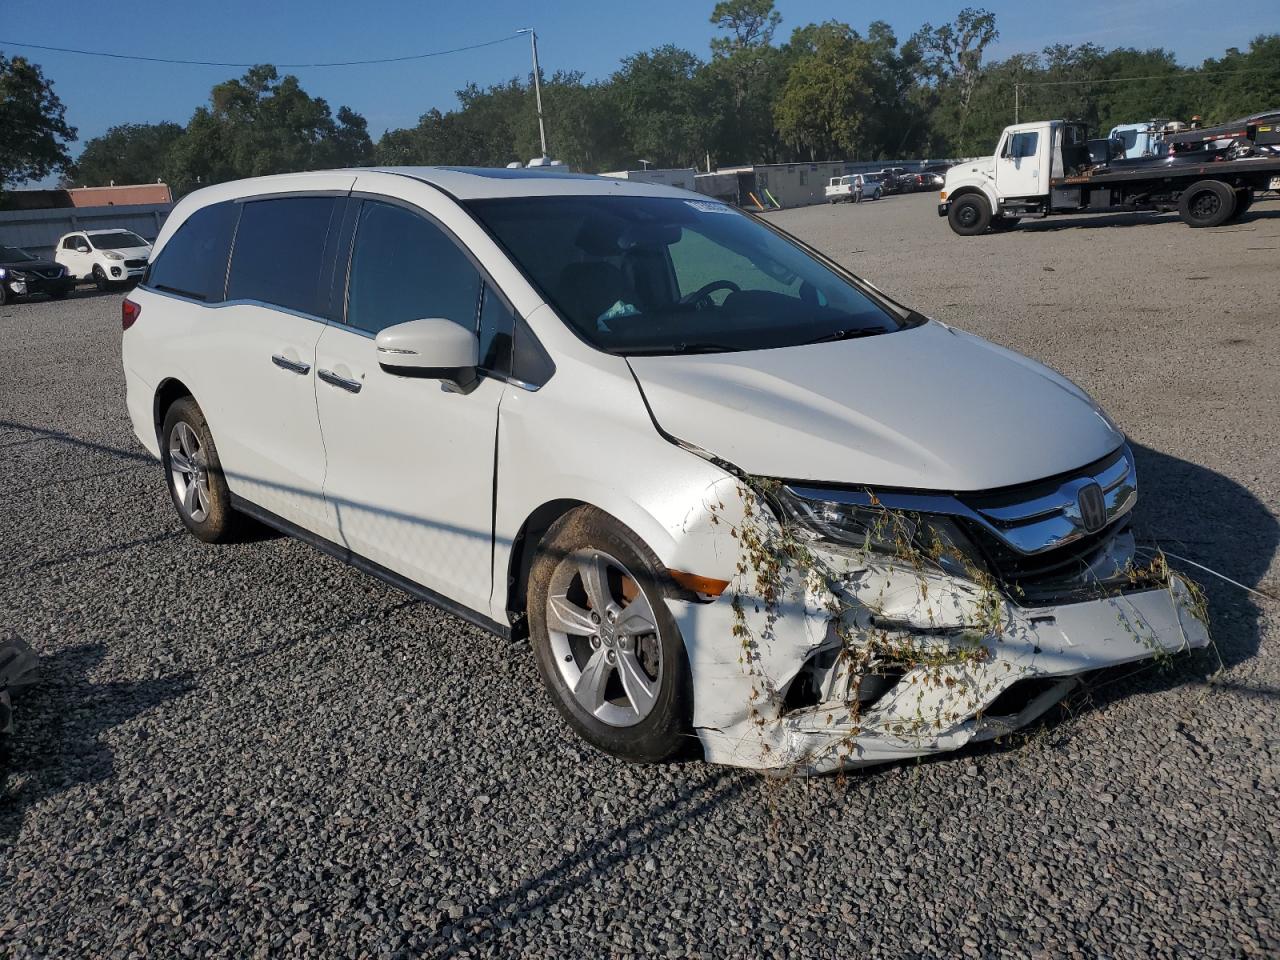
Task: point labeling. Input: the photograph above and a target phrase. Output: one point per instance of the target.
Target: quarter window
(279, 251)
(497, 329)
(194, 261)
(406, 268)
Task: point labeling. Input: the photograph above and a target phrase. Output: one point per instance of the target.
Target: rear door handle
(328, 376)
(293, 366)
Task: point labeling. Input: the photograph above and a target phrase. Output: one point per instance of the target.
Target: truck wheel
(970, 215)
(1244, 200)
(1207, 203)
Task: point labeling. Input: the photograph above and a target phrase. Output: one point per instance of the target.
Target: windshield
(116, 240)
(1129, 138)
(14, 254)
(652, 275)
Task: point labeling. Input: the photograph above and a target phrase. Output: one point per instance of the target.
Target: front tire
(194, 475)
(606, 645)
(1207, 203)
(100, 279)
(970, 215)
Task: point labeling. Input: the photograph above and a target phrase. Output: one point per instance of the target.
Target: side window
(279, 252)
(406, 268)
(1024, 145)
(497, 330)
(69, 243)
(194, 261)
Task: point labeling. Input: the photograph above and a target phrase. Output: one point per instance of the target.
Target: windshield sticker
(710, 206)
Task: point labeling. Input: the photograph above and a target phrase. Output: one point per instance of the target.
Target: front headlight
(875, 531)
(112, 255)
(19, 275)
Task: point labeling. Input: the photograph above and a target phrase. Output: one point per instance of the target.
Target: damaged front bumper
(747, 713)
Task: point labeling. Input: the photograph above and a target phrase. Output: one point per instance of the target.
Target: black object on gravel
(17, 667)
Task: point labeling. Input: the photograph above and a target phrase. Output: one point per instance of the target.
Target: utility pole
(1017, 88)
(537, 86)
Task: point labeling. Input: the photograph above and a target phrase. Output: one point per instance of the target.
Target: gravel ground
(252, 750)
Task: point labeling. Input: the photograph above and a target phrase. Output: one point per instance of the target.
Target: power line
(284, 66)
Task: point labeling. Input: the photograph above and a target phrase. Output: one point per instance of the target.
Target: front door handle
(328, 376)
(294, 366)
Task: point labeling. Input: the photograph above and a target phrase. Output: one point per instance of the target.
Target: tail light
(129, 312)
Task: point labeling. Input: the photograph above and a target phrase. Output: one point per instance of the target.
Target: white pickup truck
(1051, 167)
(842, 189)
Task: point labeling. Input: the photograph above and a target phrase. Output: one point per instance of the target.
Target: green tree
(750, 72)
(825, 106)
(128, 153)
(952, 56)
(261, 124)
(33, 129)
(665, 106)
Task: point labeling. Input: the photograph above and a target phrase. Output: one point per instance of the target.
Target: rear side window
(406, 268)
(194, 261)
(279, 252)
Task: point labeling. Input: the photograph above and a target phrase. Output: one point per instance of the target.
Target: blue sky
(573, 34)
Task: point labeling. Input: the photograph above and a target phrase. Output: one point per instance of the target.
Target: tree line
(826, 91)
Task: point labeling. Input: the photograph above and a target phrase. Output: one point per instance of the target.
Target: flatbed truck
(1051, 167)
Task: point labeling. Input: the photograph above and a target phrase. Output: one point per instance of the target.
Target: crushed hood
(927, 408)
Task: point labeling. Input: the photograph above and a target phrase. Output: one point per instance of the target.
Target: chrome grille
(1045, 516)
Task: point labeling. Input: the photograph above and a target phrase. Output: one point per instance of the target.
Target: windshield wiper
(695, 346)
(848, 334)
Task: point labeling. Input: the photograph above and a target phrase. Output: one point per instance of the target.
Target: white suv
(631, 422)
(107, 257)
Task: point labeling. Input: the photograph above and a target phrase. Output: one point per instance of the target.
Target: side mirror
(434, 349)
(81, 248)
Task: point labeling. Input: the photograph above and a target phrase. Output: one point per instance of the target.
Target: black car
(21, 275)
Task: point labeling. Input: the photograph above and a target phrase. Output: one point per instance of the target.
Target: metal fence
(38, 231)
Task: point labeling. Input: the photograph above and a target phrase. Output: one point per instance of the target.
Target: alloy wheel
(604, 637)
(189, 469)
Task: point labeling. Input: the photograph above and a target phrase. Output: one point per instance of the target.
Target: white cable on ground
(1223, 576)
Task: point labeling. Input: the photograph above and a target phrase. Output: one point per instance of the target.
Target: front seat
(591, 288)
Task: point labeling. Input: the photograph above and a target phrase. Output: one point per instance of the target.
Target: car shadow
(1091, 221)
(59, 722)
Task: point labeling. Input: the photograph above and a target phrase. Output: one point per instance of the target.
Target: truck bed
(1175, 170)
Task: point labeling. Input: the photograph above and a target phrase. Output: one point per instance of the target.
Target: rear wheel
(606, 645)
(1208, 203)
(970, 215)
(1244, 200)
(194, 474)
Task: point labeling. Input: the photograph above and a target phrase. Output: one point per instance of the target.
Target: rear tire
(1207, 203)
(1244, 200)
(194, 475)
(587, 561)
(970, 215)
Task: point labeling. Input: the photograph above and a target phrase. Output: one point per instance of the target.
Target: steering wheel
(703, 293)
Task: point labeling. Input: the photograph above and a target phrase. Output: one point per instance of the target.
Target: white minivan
(734, 496)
